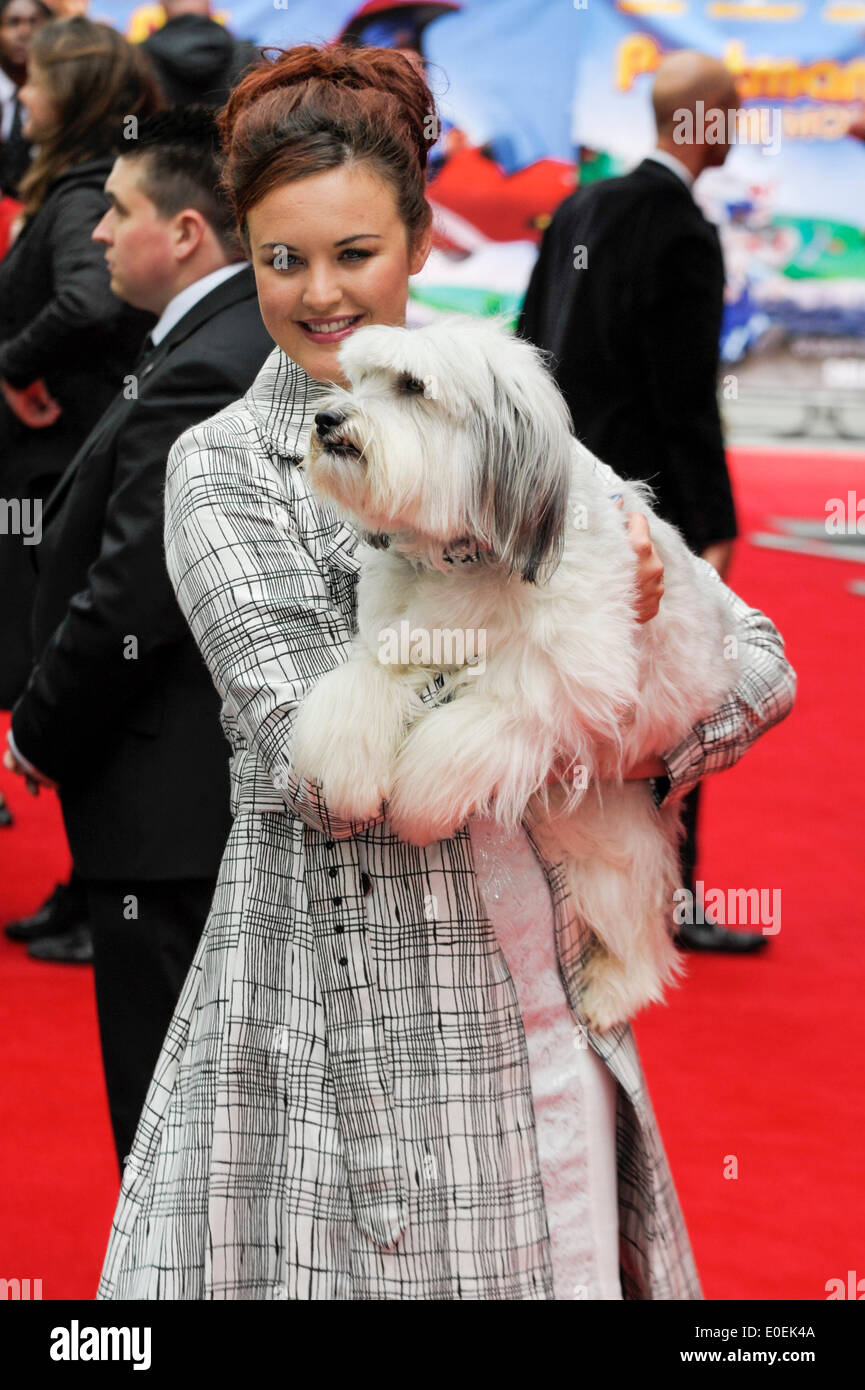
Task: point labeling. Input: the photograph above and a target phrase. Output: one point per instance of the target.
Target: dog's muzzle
(327, 427)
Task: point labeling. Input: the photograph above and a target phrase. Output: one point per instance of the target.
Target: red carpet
(758, 1059)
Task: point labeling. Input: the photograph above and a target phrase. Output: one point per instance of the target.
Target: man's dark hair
(182, 168)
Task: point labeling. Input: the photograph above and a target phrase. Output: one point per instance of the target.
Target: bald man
(627, 295)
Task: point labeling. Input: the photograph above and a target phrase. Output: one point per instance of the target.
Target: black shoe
(74, 947)
(62, 911)
(6, 817)
(710, 936)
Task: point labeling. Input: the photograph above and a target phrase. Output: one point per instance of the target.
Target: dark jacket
(120, 708)
(198, 60)
(634, 332)
(59, 321)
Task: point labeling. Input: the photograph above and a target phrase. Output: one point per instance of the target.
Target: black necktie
(15, 128)
(148, 348)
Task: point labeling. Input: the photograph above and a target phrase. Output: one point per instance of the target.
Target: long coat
(59, 322)
(342, 1108)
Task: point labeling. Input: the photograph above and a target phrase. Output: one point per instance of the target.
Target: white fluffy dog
(491, 532)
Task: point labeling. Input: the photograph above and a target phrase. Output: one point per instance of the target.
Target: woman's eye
(413, 385)
(356, 253)
(283, 260)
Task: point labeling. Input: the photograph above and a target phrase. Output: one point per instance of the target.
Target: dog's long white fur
(485, 452)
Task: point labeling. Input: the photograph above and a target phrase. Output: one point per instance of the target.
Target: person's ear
(189, 231)
(420, 251)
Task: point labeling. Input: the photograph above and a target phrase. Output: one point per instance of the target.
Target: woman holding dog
(375, 1085)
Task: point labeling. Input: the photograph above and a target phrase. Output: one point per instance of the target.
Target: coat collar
(663, 172)
(231, 291)
(284, 400)
(222, 296)
(90, 172)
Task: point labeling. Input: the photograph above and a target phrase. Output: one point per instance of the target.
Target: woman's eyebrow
(358, 236)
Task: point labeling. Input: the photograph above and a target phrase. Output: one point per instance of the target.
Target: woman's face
(41, 109)
(331, 255)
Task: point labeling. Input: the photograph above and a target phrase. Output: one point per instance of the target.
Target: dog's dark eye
(413, 385)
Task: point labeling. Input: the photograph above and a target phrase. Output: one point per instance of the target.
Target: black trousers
(688, 846)
(144, 938)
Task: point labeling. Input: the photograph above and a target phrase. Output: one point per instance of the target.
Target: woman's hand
(33, 778)
(33, 405)
(650, 569)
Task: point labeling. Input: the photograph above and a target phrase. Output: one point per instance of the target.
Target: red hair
(314, 109)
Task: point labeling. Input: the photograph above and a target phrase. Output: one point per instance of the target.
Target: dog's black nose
(328, 420)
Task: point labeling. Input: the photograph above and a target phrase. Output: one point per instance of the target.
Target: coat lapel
(232, 291)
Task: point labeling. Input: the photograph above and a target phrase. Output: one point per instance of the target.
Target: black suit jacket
(120, 708)
(634, 337)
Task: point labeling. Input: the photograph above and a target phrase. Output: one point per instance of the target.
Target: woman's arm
(255, 599)
(763, 697)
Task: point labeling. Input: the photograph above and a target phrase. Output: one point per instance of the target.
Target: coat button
(330, 844)
(333, 871)
(337, 902)
(343, 960)
(366, 883)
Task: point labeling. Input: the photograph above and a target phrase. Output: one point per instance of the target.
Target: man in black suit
(627, 295)
(120, 711)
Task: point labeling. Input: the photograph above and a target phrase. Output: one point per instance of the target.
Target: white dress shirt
(675, 165)
(8, 93)
(188, 298)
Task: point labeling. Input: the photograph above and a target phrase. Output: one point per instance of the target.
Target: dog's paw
(355, 804)
(612, 994)
(351, 797)
(427, 804)
(414, 823)
(353, 783)
(346, 736)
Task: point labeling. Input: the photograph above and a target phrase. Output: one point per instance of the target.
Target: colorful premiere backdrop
(535, 94)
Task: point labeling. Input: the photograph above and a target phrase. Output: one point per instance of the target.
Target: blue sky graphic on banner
(530, 88)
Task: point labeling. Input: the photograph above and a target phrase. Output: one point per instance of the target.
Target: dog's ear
(524, 477)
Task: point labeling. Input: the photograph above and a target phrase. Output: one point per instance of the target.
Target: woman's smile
(330, 330)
